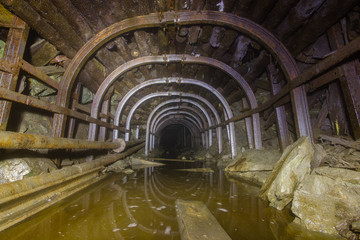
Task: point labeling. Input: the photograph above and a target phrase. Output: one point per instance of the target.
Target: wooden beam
(194, 219)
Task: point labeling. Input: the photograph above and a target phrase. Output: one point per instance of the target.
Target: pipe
(14, 140)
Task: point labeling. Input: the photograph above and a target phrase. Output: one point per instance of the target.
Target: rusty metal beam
(14, 50)
(6, 66)
(242, 25)
(27, 67)
(37, 103)
(14, 140)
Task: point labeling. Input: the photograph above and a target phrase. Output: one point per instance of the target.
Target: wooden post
(282, 127)
(14, 50)
(349, 81)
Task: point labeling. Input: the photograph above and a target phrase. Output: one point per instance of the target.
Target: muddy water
(141, 206)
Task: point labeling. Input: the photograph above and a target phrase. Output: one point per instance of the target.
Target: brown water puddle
(141, 206)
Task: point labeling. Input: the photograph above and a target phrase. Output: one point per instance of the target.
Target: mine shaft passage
(173, 138)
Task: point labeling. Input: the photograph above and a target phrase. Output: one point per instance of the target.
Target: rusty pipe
(14, 140)
(42, 191)
(13, 190)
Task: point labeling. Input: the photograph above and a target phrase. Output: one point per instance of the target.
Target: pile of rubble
(320, 182)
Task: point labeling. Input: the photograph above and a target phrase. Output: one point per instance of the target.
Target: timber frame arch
(245, 26)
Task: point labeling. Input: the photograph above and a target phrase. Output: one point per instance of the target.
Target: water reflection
(141, 206)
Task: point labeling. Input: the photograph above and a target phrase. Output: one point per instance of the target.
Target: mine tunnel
(179, 119)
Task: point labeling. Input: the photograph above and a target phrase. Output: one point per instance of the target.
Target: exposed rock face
(293, 166)
(19, 168)
(328, 200)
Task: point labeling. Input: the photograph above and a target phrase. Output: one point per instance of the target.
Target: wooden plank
(321, 116)
(196, 222)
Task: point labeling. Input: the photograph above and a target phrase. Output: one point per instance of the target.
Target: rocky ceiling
(69, 24)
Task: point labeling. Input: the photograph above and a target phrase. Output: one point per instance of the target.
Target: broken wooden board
(200, 170)
(196, 222)
(171, 160)
(140, 164)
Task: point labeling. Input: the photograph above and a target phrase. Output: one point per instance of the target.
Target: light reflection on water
(141, 206)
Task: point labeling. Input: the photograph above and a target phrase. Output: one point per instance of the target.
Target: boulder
(258, 178)
(18, 168)
(289, 171)
(328, 201)
(255, 160)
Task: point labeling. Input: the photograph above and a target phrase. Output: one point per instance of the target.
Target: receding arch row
(151, 82)
(172, 112)
(188, 95)
(177, 80)
(181, 120)
(181, 110)
(186, 59)
(182, 100)
(202, 115)
(195, 119)
(245, 26)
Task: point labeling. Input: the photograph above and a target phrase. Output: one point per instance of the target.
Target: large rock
(253, 165)
(255, 160)
(328, 201)
(18, 168)
(258, 178)
(291, 169)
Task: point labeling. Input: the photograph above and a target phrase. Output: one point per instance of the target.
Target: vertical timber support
(349, 81)
(14, 50)
(282, 127)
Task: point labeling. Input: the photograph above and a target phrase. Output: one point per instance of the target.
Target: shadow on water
(141, 206)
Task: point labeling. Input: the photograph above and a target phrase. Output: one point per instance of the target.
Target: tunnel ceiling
(69, 24)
